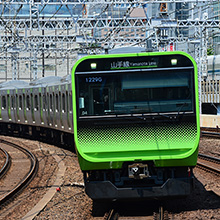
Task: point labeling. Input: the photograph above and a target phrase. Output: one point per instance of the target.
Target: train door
(41, 108)
(63, 114)
(21, 107)
(32, 107)
(4, 106)
(27, 100)
(64, 108)
(57, 104)
(50, 110)
(44, 107)
(17, 118)
(70, 108)
(37, 106)
(12, 106)
(67, 124)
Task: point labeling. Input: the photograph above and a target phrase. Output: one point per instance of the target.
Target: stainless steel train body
(45, 103)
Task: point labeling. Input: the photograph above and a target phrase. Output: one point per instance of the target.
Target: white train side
(29, 109)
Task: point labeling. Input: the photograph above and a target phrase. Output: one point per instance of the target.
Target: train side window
(8, 101)
(40, 101)
(51, 103)
(24, 102)
(36, 104)
(12, 102)
(63, 103)
(57, 102)
(67, 101)
(44, 102)
(16, 101)
(70, 102)
(48, 102)
(32, 102)
(28, 102)
(20, 102)
(3, 102)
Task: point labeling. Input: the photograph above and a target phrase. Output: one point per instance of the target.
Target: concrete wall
(210, 121)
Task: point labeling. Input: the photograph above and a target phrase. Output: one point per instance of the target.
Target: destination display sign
(130, 64)
(110, 63)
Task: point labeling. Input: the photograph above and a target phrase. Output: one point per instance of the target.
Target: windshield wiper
(181, 107)
(167, 116)
(151, 117)
(144, 116)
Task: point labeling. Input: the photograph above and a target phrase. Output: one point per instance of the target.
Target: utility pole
(43, 61)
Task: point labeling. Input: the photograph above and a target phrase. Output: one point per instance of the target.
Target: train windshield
(135, 92)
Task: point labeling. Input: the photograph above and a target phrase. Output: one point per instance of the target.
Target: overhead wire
(112, 32)
(118, 26)
(115, 30)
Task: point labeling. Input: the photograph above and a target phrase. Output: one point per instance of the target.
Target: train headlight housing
(173, 62)
(93, 66)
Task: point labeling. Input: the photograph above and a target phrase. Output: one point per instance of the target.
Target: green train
(136, 124)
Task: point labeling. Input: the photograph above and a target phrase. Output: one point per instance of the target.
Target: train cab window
(20, 102)
(36, 104)
(136, 92)
(63, 103)
(3, 102)
(28, 103)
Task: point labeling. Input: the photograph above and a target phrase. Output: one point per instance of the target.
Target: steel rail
(211, 134)
(7, 163)
(111, 215)
(24, 182)
(215, 159)
(162, 214)
(206, 166)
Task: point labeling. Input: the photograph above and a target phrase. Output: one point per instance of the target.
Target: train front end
(136, 124)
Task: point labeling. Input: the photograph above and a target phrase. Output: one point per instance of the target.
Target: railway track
(215, 134)
(113, 214)
(24, 166)
(205, 162)
(209, 163)
(7, 163)
(212, 165)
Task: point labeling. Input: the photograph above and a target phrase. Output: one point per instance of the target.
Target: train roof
(66, 79)
(46, 81)
(42, 82)
(14, 84)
